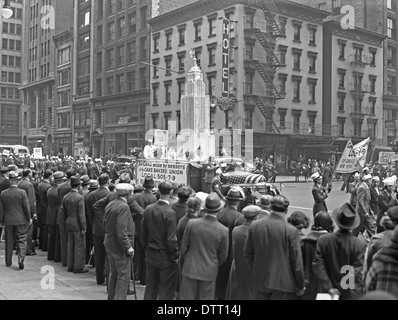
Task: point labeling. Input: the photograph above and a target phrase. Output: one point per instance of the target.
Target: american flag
(242, 178)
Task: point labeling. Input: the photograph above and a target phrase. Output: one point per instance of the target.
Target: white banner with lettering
(38, 153)
(354, 157)
(387, 157)
(163, 170)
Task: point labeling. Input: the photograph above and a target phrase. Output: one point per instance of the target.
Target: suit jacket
(93, 172)
(14, 207)
(119, 227)
(273, 251)
(4, 184)
(385, 201)
(53, 205)
(374, 200)
(180, 209)
(204, 248)
(63, 190)
(144, 199)
(72, 212)
(26, 185)
(333, 252)
(363, 200)
(43, 188)
(96, 220)
(353, 188)
(158, 232)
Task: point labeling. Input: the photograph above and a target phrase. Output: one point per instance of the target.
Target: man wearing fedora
(119, 242)
(93, 186)
(72, 215)
(319, 193)
(241, 283)
(363, 208)
(337, 250)
(85, 180)
(43, 188)
(15, 215)
(387, 199)
(96, 219)
(4, 182)
(147, 197)
(25, 184)
(204, 249)
(159, 239)
(230, 217)
(273, 252)
(54, 203)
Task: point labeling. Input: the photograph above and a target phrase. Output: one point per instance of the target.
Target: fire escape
(267, 69)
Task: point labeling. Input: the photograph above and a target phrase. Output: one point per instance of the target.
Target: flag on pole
(354, 157)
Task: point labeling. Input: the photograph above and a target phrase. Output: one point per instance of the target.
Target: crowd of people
(185, 245)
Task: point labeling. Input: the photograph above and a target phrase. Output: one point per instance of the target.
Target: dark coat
(72, 212)
(93, 172)
(385, 202)
(240, 283)
(363, 200)
(333, 252)
(180, 209)
(374, 200)
(4, 184)
(43, 188)
(319, 193)
(158, 231)
(26, 185)
(63, 189)
(14, 207)
(119, 227)
(96, 218)
(181, 225)
(53, 205)
(204, 248)
(144, 199)
(273, 251)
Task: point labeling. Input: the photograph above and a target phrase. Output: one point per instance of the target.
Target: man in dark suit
(231, 218)
(96, 222)
(147, 197)
(43, 207)
(72, 214)
(339, 249)
(204, 249)
(273, 251)
(119, 242)
(374, 195)
(94, 170)
(63, 190)
(54, 204)
(159, 238)
(26, 185)
(15, 215)
(368, 223)
(4, 182)
(387, 199)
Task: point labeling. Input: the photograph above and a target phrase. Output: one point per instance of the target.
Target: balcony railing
(305, 129)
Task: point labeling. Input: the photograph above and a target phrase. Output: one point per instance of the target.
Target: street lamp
(6, 10)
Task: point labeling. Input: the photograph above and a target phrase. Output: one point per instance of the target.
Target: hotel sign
(225, 57)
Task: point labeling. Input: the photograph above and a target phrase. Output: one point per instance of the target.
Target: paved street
(26, 284)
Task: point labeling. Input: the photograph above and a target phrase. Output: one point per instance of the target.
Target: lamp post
(6, 11)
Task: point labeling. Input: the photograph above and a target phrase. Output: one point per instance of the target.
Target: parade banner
(163, 170)
(6, 153)
(38, 153)
(387, 157)
(353, 158)
(161, 138)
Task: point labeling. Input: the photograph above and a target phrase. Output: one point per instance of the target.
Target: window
(64, 98)
(155, 95)
(109, 85)
(156, 44)
(111, 31)
(341, 99)
(296, 61)
(120, 55)
(121, 26)
(282, 83)
(373, 53)
(341, 123)
(99, 87)
(282, 118)
(131, 80)
(181, 36)
(336, 7)
(84, 66)
(110, 58)
(133, 23)
(84, 18)
(155, 118)
(322, 6)
(198, 31)
(312, 36)
(120, 83)
(99, 61)
(296, 89)
(64, 56)
(167, 61)
(341, 74)
(372, 84)
(249, 21)
(296, 122)
(167, 90)
(212, 56)
(64, 77)
(282, 25)
(297, 33)
(85, 42)
(312, 61)
(131, 52)
(211, 80)
(99, 36)
(312, 90)
(168, 40)
(391, 27)
(372, 106)
(155, 68)
(391, 57)
(342, 50)
(143, 13)
(181, 90)
(312, 118)
(143, 48)
(212, 27)
(181, 63)
(248, 119)
(143, 78)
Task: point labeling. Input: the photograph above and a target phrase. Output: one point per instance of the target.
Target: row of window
(11, 44)
(10, 93)
(12, 28)
(120, 83)
(12, 77)
(10, 61)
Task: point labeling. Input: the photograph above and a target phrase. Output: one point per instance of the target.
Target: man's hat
(280, 203)
(139, 187)
(59, 175)
(266, 200)
(251, 211)
(213, 203)
(12, 167)
(149, 182)
(316, 176)
(85, 180)
(75, 182)
(13, 175)
(124, 189)
(346, 217)
(235, 194)
(367, 177)
(94, 185)
(4, 170)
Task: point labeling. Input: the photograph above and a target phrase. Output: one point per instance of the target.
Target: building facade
(42, 21)
(11, 68)
(275, 71)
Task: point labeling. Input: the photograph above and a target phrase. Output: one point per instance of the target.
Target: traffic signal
(395, 146)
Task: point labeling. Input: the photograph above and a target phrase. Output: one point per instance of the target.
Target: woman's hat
(316, 176)
(213, 203)
(346, 217)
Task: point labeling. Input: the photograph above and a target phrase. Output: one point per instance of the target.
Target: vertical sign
(225, 57)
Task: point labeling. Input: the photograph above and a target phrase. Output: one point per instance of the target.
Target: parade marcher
(230, 217)
(319, 193)
(368, 223)
(216, 184)
(149, 151)
(15, 215)
(113, 172)
(300, 221)
(383, 274)
(158, 237)
(26, 185)
(118, 228)
(374, 195)
(204, 248)
(323, 224)
(85, 180)
(327, 175)
(180, 207)
(386, 200)
(240, 282)
(43, 188)
(273, 252)
(63, 189)
(147, 197)
(72, 215)
(352, 188)
(54, 204)
(96, 219)
(339, 249)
